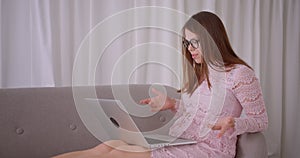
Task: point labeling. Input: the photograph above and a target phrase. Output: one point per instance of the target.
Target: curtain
(41, 39)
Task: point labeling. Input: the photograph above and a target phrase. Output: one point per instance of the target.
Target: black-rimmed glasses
(195, 43)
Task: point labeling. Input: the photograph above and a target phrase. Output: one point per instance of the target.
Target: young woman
(207, 50)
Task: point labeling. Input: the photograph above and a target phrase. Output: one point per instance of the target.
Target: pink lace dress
(243, 100)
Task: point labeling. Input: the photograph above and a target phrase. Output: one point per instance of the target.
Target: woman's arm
(248, 91)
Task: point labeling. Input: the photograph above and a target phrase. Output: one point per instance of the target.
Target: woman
(207, 50)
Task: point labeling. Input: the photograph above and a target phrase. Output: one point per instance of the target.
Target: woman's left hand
(223, 125)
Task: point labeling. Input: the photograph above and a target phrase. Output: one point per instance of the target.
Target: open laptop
(120, 126)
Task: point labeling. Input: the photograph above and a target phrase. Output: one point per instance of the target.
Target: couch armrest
(251, 145)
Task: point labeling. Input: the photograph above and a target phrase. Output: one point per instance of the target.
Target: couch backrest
(43, 122)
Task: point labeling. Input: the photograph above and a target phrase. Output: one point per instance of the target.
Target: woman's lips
(194, 56)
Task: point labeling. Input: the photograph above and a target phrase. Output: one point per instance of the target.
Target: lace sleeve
(247, 90)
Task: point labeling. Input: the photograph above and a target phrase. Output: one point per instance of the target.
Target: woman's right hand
(159, 102)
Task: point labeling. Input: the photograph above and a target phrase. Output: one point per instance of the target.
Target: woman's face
(193, 45)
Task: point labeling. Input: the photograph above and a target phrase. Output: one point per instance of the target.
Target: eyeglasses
(195, 43)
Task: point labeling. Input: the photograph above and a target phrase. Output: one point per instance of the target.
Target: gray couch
(43, 122)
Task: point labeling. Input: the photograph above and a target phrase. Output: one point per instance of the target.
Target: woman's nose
(191, 48)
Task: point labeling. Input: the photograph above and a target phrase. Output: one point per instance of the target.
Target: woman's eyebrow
(194, 38)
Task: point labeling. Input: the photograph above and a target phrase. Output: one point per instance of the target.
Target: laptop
(120, 126)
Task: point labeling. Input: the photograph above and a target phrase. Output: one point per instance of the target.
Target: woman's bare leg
(129, 151)
(98, 152)
(110, 149)
(108, 146)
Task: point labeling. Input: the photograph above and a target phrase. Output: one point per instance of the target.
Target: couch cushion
(251, 145)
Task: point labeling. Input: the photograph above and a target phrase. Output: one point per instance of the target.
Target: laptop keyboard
(154, 141)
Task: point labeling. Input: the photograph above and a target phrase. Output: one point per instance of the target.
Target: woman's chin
(198, 61)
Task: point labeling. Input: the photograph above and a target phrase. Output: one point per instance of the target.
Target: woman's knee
(130, 151)
(132, 148)
(108, 146)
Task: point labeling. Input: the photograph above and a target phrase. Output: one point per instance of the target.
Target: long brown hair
(215, 47)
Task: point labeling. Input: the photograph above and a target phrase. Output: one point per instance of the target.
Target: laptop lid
(114, 118)
(119, 125)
